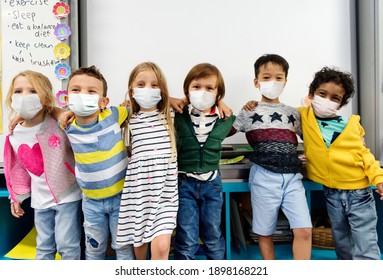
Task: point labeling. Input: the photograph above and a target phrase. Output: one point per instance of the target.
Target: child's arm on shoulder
(65, 117)
(250, 106)
(224, 111)
(13, 122)
(178, 104)
(125, 103)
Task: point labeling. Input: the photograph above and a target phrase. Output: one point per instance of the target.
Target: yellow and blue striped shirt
(100, 153)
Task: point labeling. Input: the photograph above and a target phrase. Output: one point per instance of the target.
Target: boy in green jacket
(199, 134)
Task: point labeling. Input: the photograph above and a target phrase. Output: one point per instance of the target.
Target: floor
(282, 252)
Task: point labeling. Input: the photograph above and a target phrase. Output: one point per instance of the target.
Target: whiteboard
(28, 43)
(176, 35)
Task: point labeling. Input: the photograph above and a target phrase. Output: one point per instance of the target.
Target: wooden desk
(233, 185)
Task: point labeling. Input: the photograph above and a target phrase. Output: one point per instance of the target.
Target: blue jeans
(199, 215)
(353, 222)
(100, 219)
(58, 230)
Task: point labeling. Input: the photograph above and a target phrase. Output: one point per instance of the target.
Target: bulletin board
(35, 36)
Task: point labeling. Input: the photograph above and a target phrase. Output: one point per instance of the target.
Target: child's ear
(306, 100)
(104, 102)
(256, 83)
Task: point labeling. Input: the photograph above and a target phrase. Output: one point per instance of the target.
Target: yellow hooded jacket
(347, 164)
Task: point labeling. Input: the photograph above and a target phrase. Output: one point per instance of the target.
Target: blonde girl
(149, 201)
(39, 163)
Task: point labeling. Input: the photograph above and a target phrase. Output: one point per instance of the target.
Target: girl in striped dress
(149, 202)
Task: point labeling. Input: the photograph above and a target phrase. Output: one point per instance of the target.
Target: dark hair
(273, 58)
(91, 71)
(343, 79)
(204, 70)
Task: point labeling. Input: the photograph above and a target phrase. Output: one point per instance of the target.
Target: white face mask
(147, 97)
(323, 107)
(202, 100)
(27, 106)
(271, 89)
(83, 104)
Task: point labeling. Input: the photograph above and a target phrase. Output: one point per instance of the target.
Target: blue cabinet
(235, 186)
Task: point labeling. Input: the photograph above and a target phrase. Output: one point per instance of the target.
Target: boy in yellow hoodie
(337, 158)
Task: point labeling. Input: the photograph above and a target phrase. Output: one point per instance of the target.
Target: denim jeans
(100, 219)
(199, 215)
(353, 222)
(58, 230)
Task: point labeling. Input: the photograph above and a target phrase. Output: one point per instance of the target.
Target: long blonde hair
(42, 86)
(163, 106)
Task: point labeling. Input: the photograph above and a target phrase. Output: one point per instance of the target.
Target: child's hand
(16, 210)
(250, 106)
(379, 190)
(66, 118)
(125, 103)
(12, 124)
(224, 111)
(178, 104)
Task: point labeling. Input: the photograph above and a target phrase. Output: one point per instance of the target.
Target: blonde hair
(163, 106)
(41, 85)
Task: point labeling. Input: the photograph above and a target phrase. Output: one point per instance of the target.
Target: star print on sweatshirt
(331, 128)
(271, 130)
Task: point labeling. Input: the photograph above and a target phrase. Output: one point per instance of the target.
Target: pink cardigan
(58, 164)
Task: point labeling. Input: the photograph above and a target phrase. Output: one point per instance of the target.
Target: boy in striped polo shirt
(100, 156)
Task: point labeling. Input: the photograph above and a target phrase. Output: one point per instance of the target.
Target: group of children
(170, 180)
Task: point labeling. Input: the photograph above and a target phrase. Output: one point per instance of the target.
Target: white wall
(230, 34)
(177, 35)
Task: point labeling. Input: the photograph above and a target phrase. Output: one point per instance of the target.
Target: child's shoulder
(289, 108)
(282, 108)
(115, 110)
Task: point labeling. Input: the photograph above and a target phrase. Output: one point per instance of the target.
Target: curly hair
(327, 75)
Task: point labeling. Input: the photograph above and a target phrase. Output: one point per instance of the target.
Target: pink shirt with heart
(24, 143)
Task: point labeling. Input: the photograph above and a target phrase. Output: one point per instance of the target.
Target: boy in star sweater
(275, 179)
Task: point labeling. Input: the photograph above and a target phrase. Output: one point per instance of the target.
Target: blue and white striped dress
(149, 201)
